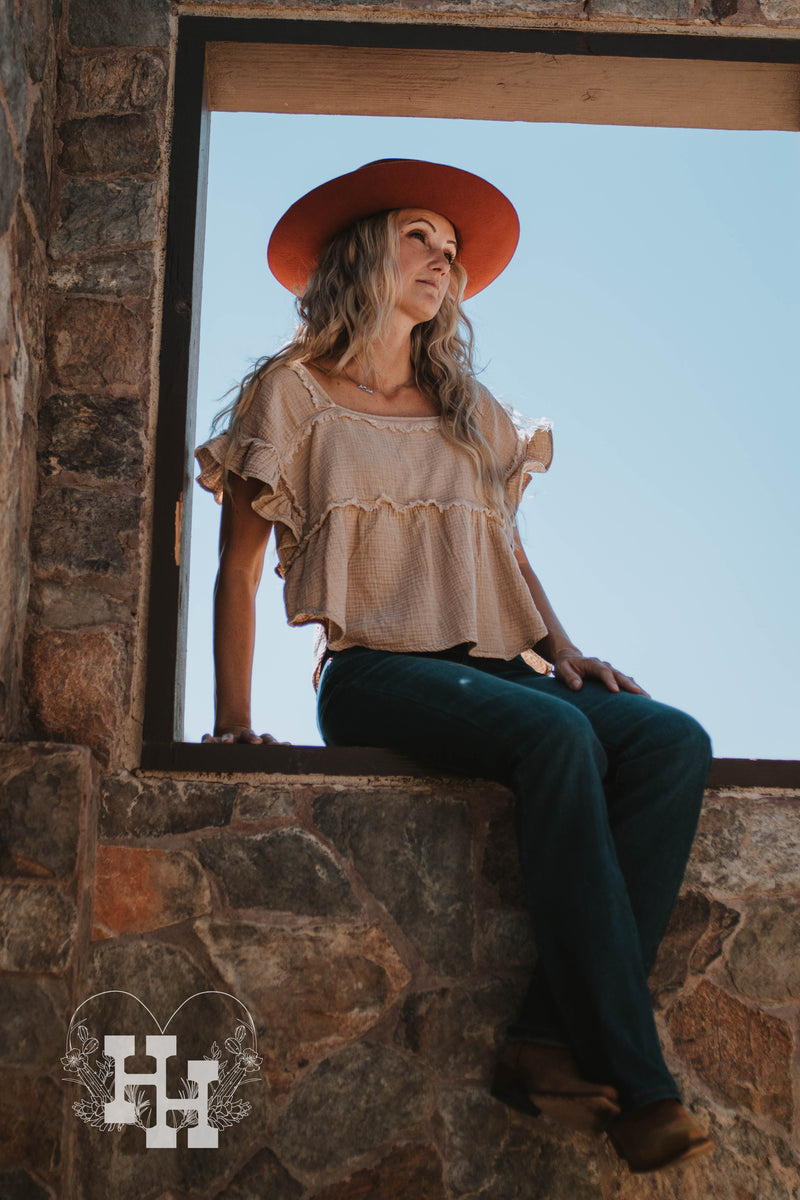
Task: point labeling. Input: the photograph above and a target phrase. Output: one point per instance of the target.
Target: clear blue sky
(651, 312)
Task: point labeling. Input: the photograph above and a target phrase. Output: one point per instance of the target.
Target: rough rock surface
(409, 1171)
(107, 273)
(763, 961)
(33, 1025)
(362, 1096)
(94, 436)
(37, 926)
(96, 213)
(121, 82)
(286, 870)
(84, 532)
(744, 1054)
(264, 1178)
(138, 889)
(74, 681)
(97, 346)
(39, 1140)
(110, 145)
(695, 937)
(310, 989)
(412, 861)
(160, 806)
(43, 794)
(454, 1030)
(119, 22)
(380, 1050)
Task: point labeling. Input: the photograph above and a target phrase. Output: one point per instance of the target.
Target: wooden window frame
(696, 79)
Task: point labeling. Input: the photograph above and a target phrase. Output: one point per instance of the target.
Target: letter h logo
(161, 1135)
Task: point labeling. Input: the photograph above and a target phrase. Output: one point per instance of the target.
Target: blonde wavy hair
(344, 314)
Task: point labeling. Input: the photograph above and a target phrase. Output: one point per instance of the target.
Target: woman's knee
(685, 737)
(670, 761)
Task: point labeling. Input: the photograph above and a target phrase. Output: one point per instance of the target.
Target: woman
(392, 479)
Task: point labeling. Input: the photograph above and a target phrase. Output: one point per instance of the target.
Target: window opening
(650, 313)
(532, 75)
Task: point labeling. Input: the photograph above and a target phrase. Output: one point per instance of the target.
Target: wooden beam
(487, 85)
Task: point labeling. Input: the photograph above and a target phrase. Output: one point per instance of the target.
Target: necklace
(386, 393)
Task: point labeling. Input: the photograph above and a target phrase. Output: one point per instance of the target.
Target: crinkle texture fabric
(384, 537)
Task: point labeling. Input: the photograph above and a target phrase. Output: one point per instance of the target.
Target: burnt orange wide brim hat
(485, 221)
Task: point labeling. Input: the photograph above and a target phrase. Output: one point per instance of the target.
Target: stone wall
(86, 623)
(27, 91)
(644, 15)
(376, 932)
(89, 536)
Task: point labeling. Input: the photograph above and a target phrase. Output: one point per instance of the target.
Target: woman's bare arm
(571, 666)
(243, 538)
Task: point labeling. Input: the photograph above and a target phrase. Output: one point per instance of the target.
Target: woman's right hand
(246, 737)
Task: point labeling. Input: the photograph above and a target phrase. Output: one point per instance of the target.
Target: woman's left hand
(572, 668)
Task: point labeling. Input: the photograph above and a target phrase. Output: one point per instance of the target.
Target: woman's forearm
(557, 640)
(242, 542)
(234, 641)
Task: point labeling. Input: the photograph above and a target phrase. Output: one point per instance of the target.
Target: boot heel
(507, 1089)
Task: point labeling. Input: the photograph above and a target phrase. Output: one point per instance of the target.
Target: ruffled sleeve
(251, 458)
(262, 451)
(524, 446)
(534, 455)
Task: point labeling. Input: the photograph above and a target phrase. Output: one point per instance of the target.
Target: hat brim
(485, 221)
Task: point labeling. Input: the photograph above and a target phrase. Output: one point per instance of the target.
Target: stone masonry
(374, 929)
(376, 933)
(88, 538)
(85, 151)
(28, 69)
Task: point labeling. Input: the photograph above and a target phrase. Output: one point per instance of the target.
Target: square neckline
(318, 392)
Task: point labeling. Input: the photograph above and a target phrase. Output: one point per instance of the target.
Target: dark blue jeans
(609, 787)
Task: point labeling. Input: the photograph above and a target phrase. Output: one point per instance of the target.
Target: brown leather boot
(658, 1135)
(536, 1079)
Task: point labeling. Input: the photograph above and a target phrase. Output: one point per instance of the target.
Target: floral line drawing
(96, 1073)
(223, 1109)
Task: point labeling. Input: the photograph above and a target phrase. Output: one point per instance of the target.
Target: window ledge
(366, 760)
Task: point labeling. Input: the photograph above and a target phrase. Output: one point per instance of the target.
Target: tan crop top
(383, 535)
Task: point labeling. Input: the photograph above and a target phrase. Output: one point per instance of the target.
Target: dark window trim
(180, 331)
